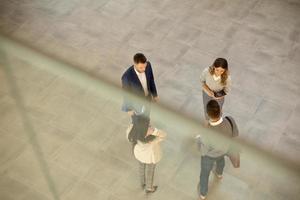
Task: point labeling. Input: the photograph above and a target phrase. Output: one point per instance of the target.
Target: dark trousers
(207, 164)
(147, 175)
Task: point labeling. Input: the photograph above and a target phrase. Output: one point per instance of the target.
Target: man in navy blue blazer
(139, 80)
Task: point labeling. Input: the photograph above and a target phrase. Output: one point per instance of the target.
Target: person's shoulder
(149, 66)
(229, 77)
(128, 72)
(226, 121)
(227, 124)
(205, 70)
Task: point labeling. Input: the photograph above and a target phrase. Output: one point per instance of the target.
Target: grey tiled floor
(81, 131)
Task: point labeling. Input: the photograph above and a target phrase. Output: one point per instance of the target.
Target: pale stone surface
(81, 132)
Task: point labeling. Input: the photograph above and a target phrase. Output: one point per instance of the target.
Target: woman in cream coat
(146, 141)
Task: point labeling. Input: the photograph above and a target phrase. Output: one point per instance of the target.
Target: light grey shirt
(217, 147)
(214, 85)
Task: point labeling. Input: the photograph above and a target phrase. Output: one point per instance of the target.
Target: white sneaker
(220, 176)
(202, 197)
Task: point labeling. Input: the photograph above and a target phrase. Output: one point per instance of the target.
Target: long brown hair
(220, 62)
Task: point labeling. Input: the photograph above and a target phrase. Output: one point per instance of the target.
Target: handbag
(220, 93)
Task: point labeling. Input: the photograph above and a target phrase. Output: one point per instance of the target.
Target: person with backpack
(146, 149)
(214, 149)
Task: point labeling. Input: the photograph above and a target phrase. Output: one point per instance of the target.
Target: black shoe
(153, 190)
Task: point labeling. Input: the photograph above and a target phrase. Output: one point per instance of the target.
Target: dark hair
(213, 109)
(139, 58)
(140, 129)
(220, 62)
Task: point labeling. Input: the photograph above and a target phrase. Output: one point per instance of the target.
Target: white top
(214, 82)
(143, 80)
(217, 122)
(149, 153)
(216, 78)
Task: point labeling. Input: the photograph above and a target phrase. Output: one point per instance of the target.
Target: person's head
(140, 129)
(220, 68)
(140, 62)
(213, 110)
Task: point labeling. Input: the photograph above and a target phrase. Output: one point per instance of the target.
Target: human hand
(150, 130)
(219, 98)
(210, 93)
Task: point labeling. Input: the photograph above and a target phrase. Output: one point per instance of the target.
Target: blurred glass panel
(63, 137)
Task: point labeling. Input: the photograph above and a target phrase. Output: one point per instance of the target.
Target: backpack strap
(233, 126)
(228, 119)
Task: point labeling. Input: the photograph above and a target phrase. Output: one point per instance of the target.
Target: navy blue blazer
(132, 84)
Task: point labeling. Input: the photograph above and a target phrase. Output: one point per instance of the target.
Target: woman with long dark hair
(146, 141)
(216, 82)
